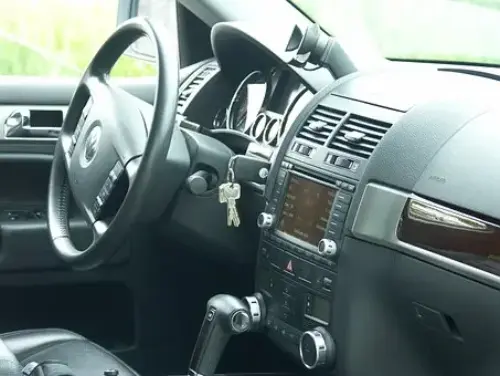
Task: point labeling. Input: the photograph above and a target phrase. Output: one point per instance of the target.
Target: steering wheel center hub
(91, 145)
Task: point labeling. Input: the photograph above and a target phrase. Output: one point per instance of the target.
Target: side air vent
(194, 83)
(320, 125)
(359, 136)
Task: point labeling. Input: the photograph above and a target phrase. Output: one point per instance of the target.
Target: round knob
(257, 309)
(317, 348)
(199, 182)
(327, 247)
(265, 220)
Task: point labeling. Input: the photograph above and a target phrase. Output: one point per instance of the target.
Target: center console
(302, 230)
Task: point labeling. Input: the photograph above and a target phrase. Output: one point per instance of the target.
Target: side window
(58, 38)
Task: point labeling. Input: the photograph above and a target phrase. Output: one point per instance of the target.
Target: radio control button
(335, 225)
(338, 216)
(340, 206)
(327, 248)
(343, 162)
(334, 233)
(265, 220)
(327, 283)
(344, 197)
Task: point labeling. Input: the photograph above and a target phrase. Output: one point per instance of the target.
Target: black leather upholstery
(9, 366)
(82, 356)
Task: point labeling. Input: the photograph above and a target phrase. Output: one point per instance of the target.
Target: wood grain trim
(451, 233)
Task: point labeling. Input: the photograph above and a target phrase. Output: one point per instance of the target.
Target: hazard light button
(289, 266)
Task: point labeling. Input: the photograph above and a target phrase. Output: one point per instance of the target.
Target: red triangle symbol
(289, 266)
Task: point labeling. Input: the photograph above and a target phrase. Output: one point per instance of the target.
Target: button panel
(278, 188)
(79, 126)
(283, 330)
(342, 162)
(302, 149)
(339, 211)
(295, 268)
(107, 188)
(308, 254)
(292, 306)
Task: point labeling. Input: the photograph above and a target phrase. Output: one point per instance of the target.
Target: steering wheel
(113, 151)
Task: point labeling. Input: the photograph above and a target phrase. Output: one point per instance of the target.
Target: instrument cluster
(260, 106)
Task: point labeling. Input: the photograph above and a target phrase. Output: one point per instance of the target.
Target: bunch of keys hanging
(229, 193)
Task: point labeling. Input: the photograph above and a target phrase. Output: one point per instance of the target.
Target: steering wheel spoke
(99, 228)
(67, 147)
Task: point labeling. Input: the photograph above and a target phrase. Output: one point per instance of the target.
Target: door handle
(18, 124)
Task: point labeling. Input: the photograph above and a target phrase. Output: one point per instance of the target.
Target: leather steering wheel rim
(106, 127)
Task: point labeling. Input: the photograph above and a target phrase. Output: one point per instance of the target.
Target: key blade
(229, 217)
(236, 219)
(235, 216)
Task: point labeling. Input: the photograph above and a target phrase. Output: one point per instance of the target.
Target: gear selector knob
(226, 316)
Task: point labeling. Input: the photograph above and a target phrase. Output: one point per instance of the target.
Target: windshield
(459, 31)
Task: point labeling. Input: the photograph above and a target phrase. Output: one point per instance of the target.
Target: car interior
(265, 205)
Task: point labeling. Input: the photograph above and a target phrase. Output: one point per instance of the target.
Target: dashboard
(379, 205)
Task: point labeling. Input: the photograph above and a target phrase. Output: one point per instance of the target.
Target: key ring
(230, 171)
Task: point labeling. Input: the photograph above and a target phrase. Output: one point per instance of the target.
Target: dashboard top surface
(401, 88)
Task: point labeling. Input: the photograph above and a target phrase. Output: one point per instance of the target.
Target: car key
(229, 193)
(233, 193)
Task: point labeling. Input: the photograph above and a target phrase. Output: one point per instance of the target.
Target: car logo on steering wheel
(91, 146)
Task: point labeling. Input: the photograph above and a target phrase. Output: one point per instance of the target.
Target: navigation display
(306, 209)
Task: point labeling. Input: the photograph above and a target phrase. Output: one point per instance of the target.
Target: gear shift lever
(226, 316)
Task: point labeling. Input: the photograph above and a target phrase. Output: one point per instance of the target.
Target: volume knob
(265, 220)
(317, 348)
(327, 247)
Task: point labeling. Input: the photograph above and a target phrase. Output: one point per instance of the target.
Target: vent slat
(325, 133)
(330, 114)
(346, 148)
(362, 145)
(321, 124)
(365, 123)
(367, 139)
(326, 119)
(371, 130)
(351, 127)
(313, 138)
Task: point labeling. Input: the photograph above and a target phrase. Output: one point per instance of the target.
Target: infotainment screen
(306, 209)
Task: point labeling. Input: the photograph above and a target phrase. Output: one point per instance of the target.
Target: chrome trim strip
(377, 220)
(427, 212)
(193, 373)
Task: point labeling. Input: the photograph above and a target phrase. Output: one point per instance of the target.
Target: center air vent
(320, 125)
(194, 83)
(359, 136)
